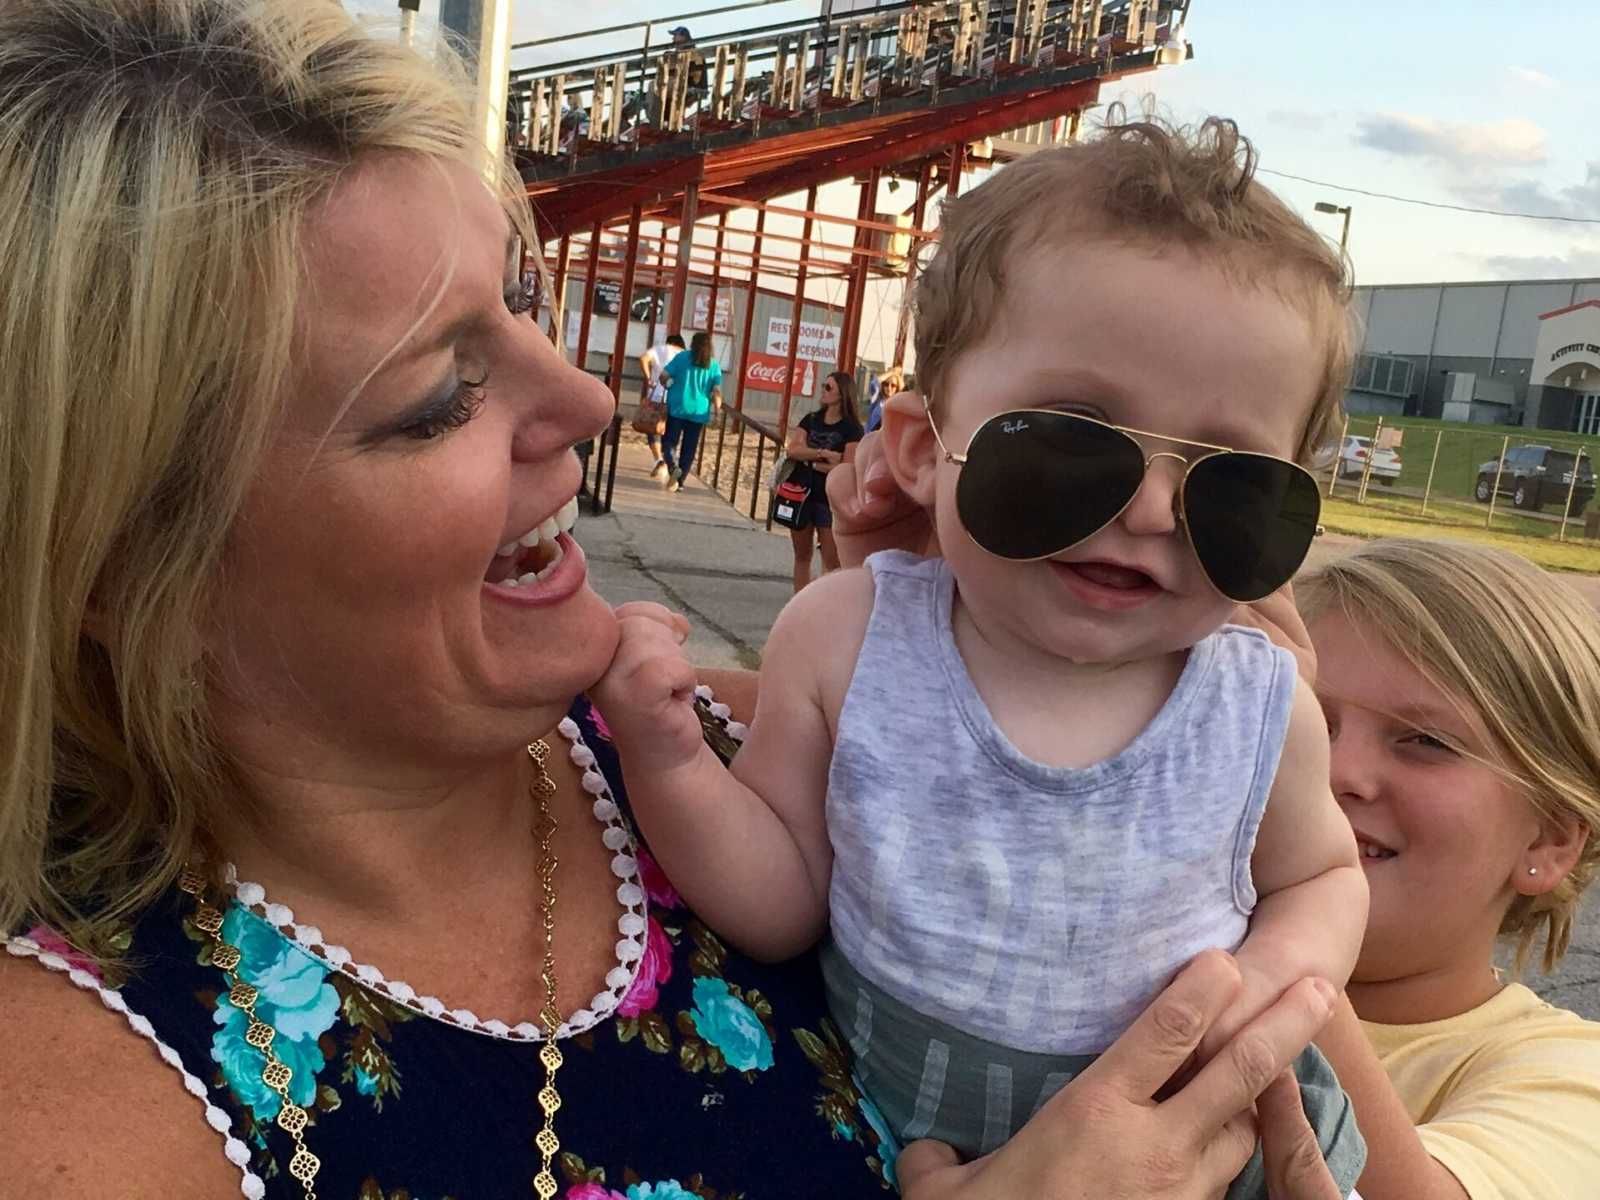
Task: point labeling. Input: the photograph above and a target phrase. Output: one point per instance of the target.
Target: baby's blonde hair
(1146, 184)
(1519, 649)
(158, 159)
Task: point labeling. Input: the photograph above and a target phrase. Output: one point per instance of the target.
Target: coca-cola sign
(766, 373)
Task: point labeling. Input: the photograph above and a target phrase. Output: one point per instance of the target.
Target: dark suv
(1535, 476)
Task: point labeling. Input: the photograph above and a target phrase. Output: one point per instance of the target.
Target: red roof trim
(1569, 308)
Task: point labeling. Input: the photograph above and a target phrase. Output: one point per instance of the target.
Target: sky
(1488, 105)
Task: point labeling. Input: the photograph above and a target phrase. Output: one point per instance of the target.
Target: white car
(1353, 460)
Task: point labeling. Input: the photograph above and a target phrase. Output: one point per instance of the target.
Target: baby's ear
(909, 446)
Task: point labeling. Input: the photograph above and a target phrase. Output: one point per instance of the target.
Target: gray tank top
(1040, 908)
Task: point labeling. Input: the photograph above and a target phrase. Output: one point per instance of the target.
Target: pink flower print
(600, 726)
(590, 1190)
(655, 968)
(656, 884)
(52, 942)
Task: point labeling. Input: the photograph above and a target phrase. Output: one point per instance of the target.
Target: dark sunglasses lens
(1036, 483)
(1251, 519)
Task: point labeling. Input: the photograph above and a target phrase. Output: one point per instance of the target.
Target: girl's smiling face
(1443, 835)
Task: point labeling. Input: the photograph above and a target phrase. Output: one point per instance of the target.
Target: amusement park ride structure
(680, 135)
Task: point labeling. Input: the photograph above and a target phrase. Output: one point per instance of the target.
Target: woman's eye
(524, 297)
(464, 404)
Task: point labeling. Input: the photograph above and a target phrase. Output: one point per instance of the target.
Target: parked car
(1353, 460)
(1535, 476)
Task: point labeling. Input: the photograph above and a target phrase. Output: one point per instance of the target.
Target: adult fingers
(928, 1169)
(1252, 1059)
(1156, 1045)
(1294, 1164)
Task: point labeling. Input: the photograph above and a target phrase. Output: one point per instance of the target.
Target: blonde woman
(285, 463)
(1462, 690)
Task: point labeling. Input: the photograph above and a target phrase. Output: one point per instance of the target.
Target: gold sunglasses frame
(1133, 435)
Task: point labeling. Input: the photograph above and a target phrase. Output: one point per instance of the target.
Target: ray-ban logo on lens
(1013, 426)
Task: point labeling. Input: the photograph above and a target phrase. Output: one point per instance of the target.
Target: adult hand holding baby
(1106, 1136)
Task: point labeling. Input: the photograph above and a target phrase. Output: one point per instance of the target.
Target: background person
(819, 443)
(694, 387)
(654, 392)
(889, 384)
(1462, 690)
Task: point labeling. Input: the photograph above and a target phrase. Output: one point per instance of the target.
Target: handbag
(789, 493)
(649, 419)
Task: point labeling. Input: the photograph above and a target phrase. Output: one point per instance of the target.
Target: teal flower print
(295, 999)
(667, 1189)
(365, 1084)
(730, 1025)
(888, 1144)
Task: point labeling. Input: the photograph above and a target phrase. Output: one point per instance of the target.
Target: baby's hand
(1255, 996)
(647, 694)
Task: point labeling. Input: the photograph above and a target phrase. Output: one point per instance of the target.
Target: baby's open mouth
(536, 554)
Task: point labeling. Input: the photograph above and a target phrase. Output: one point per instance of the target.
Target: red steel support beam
(655, 292)
(612, 437)
(958, 164)
(680, 277)
(750, 311)
(558, 289)
(856, 290)
(716, 276)
(589, 280)
(794, 320)
(919, 212)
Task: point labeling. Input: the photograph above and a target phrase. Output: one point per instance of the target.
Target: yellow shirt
(1507, 1096)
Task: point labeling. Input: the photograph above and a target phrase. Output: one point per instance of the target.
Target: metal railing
(750, 469)
(810, 65)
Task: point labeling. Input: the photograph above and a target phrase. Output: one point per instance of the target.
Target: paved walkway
(692, 552)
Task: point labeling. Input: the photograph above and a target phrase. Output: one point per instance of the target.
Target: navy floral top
(710, 1077)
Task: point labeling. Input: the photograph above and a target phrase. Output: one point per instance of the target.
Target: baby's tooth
(531, 538)
(548, 530)
(507, 550)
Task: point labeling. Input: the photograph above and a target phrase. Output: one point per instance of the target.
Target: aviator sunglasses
(1036, 482)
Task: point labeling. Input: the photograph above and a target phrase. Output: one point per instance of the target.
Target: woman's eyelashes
(464, 402)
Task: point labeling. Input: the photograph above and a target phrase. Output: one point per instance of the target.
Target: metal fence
(1520, 480)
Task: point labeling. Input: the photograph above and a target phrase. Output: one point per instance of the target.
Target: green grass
(1399, 516)
(1462, 448)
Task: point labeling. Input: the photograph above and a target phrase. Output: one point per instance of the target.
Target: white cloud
(1460, 144)
(1577, 262)
(1529, 196)
(1529, 77)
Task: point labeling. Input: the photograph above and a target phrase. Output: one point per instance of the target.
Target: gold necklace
(276, 1074)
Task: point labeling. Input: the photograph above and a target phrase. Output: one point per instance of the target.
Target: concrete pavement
(695, 554)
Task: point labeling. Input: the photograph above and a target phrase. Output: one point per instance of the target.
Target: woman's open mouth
(537, 554)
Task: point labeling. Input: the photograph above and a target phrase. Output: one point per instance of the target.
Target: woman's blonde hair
(1519, 649)
(158, 159)
(1153, 185)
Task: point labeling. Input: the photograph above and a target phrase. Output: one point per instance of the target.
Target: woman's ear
(909, 446)
(1551, 855)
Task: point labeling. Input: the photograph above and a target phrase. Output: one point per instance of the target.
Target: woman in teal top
(694, 387)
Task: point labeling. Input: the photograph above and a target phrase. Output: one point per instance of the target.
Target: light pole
(1344, 237)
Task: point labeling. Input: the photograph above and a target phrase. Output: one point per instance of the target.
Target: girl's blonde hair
(1519, 649)
(158, 159)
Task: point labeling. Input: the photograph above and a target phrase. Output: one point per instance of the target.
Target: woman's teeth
(542, 540)
(1368, 850)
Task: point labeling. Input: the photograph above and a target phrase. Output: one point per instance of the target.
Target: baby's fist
(647, 693)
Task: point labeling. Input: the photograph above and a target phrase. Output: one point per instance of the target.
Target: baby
(1024, 783)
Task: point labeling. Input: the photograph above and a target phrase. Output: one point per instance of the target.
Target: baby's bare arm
(748, 849)
(1311, 908)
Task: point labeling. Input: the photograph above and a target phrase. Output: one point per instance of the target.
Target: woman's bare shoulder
(87, 1108)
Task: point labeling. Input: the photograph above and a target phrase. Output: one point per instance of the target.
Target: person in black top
(819, 442)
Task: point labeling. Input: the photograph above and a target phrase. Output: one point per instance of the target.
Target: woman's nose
(567, 406)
